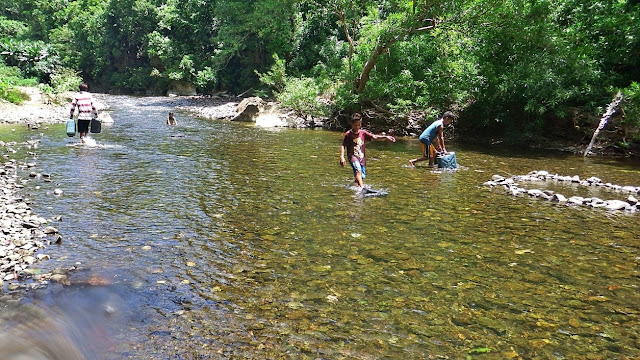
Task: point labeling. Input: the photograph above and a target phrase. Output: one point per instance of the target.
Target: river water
(227, 241)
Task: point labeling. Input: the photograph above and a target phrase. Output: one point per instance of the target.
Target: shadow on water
(223, 240)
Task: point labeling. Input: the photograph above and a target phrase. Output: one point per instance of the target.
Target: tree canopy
(511, 67)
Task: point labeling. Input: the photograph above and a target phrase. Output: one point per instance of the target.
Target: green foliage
(135, 79)
(13, 76)
(508, 67)
(631, 105)
(206, 78)
(65, 79)
(12, 28)
(276, 76)
(11, 94)
(302, 95)
(34, 58)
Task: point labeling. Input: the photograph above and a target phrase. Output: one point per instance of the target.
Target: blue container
(71, 128)
(447, 161)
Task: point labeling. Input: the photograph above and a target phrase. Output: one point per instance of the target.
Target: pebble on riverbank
(22, 233)
(631, 204)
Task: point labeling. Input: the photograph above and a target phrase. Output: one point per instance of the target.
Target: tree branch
(362, 80)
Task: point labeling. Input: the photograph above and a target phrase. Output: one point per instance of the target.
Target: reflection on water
(67, 323)
(233, 241)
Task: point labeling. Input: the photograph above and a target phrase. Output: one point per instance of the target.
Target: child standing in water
(354, 144)
(433, 136)
(171, 120)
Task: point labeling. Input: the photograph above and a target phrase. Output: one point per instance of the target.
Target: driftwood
(611, 110)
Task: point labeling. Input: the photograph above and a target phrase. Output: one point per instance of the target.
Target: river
(224, 240)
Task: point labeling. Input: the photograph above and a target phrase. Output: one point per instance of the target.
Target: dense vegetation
(522, 69)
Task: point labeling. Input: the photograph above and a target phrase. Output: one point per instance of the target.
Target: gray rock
(617, 205)
(575, 200)
(248, 109)
(594, 180)
(50, 230)
(535, 193)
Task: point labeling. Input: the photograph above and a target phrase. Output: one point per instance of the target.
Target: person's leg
(83, 128)
(425, 155)
(357, 172)
(432, 155)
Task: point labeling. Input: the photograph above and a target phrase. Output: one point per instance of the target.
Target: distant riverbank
(38, 110)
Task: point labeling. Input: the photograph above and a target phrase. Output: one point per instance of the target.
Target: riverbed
(222, 240)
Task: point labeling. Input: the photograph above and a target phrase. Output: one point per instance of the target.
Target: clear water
(224, 240)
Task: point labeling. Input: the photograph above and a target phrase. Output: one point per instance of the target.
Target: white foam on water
(92, 143)
(89, 142)
(269, 120)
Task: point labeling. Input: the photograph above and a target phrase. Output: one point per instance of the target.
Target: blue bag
(71, 128)
(447, 161)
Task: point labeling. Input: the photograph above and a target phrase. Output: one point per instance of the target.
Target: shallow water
(224, 240)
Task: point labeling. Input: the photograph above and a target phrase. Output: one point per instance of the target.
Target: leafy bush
(275, 77)
(631, 105)
(12, 94)
(12, 28)
(13, 76)
(136, 79)
(34, 58)
(64, 79)
(301, 94)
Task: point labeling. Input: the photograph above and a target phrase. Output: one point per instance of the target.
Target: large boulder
(248, 109)
(181, 88)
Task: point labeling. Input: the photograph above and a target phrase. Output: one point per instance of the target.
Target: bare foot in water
(411, 162)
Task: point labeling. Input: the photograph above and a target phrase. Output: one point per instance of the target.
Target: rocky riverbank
(253, 109)
(23, 234)
(38, 109)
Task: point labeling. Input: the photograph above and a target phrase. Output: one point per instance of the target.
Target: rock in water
(368, 192)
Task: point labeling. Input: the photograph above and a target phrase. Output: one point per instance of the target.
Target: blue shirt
(430, 133)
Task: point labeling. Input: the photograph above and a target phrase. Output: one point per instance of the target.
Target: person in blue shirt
(433, 135)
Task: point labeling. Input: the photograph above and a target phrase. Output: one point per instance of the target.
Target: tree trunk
(343, 20)
(361, 81)
(611, 109)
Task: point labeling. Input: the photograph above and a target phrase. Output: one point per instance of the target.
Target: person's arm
(440, 141)
(342, 155)
(386, 137)
(94, 109)
(73, 108)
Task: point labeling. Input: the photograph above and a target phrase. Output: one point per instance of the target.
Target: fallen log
(611, 110)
